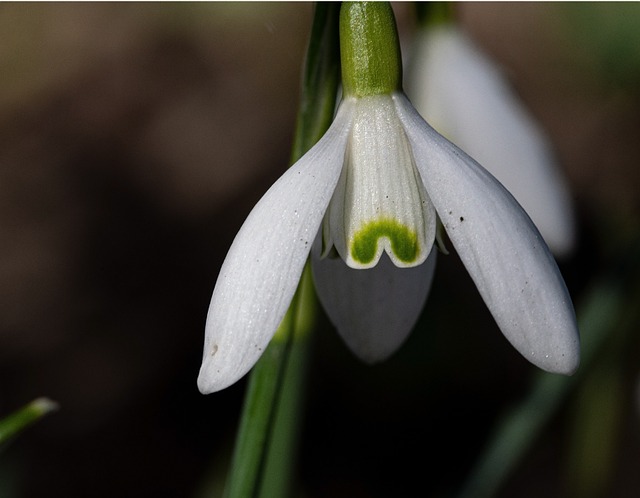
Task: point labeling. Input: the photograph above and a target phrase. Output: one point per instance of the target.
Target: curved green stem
(608, 310)
(26, 416)
(262, 462)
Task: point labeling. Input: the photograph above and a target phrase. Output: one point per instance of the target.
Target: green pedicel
(404, 242)
(369, 49)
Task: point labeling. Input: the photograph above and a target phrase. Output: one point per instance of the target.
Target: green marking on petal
(404, 242)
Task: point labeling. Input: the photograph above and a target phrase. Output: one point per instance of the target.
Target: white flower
(466, 97)
(377, 178)
(367, 197)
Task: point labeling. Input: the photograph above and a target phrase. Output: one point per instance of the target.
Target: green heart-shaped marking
(404, 242)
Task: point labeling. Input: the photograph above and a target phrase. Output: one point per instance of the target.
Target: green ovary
(404, 242)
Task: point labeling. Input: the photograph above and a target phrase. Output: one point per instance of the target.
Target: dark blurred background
(134, 140)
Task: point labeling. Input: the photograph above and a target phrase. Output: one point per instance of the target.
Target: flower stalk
(23, 418)
(369, 49)
(262, 461)
(607, 317)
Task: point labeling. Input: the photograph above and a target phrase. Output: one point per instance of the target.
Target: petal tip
(562, 362)
(568, 364)
(213, 378)
(206, 384)
(371, 357)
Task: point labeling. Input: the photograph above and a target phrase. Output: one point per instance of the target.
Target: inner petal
(380, 203)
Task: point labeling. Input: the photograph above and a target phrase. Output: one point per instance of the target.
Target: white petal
(465, 96)
(501, 248)
(374, 310)
(380, 204)
(261, 271)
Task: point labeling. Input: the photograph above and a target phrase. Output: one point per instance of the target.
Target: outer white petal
(374, 310)
(501, 248)
(261, 271)
(465, 96)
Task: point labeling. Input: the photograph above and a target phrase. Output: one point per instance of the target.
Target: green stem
(601, 315)
(598, 412)
(26, 416)
(258, 412)
(279, 464)
(320, 80)
(434, 13)
(262, 462)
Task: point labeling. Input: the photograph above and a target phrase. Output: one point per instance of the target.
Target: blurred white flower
(466, 97)
(367, 193)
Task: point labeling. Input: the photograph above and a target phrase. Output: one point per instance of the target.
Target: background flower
(466, 96)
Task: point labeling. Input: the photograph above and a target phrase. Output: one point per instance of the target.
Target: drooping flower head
(368, 197)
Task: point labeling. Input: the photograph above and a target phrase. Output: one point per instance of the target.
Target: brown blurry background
(134, 140)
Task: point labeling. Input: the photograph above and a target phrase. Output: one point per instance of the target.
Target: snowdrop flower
(369, 194)
(465, 95)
